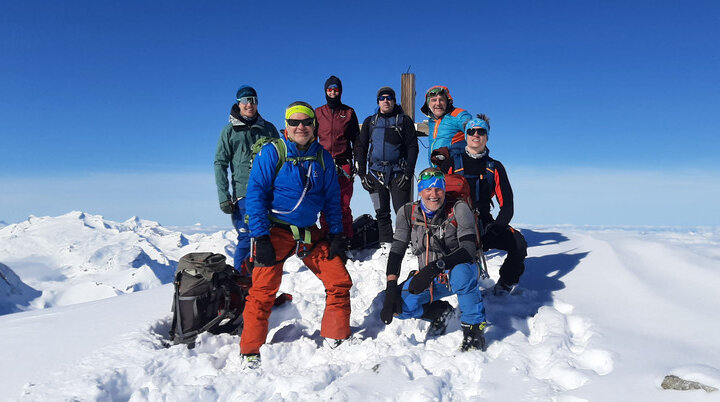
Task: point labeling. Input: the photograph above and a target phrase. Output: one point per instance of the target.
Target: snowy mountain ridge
(80, 257)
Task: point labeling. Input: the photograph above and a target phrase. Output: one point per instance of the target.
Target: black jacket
(408, 139)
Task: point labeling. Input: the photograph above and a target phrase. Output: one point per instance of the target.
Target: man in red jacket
(337, 129)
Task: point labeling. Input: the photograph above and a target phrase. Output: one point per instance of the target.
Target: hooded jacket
(447, 130)
(270, 194)
(234, 150)
(337, 130)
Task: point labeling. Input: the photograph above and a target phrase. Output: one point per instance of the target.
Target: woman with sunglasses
(488, 179)
(441, 232)
(283, 204)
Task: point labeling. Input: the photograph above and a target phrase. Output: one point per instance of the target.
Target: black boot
(473, 338)
(438, 313)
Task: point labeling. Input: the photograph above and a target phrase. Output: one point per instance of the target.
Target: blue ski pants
(462, 281)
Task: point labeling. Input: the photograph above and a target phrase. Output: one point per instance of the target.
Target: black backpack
(208, 297)
(365, 233)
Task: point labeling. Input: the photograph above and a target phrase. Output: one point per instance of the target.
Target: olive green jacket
(234, 150)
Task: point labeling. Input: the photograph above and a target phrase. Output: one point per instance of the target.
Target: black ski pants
(381, 202)
(512, 241)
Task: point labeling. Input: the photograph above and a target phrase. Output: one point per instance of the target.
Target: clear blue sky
(604, 112)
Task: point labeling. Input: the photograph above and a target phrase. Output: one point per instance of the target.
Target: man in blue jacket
(292, 180)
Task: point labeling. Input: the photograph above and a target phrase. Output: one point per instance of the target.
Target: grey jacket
(445, 234)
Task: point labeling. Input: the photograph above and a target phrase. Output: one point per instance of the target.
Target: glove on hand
(337, 245)
(392, 304)
(424, 278)
(402, 181)
(264, 252)
(368, 183)
(227, 206)
(493, 229)
(441, 158)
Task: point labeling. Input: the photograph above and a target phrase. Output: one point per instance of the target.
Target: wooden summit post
(407, 95)
(407, 101)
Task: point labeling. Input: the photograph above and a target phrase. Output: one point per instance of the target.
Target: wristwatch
(440, 263)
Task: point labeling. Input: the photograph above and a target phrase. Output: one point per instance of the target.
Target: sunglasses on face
(385, 98)
(476, 131)
(248, 99)
(431, 175)
(333, 90)
(296, 122)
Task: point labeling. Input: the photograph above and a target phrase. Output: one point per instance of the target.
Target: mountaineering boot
(333, 343)
(502, 289)
(473, 338)
(251, 361)
(438, 313)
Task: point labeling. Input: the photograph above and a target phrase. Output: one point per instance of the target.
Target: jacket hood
(236, 118)
(426, 110)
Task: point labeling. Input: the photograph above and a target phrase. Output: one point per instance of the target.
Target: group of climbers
(309, 173)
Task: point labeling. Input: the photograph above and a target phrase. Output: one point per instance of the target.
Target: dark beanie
(385, 91)
(245, 90)
(333, 80)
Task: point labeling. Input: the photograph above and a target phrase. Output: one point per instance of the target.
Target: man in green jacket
(234, 150)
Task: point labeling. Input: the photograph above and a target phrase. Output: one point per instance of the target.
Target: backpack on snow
(365, 233)
(208, 297)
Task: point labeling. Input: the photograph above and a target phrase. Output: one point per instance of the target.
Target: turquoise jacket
(447, 130)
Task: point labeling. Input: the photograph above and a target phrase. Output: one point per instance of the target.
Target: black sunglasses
(476, 131)
(385, 98)
(296, 122)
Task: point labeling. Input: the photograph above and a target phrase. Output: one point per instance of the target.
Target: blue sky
(604, 112)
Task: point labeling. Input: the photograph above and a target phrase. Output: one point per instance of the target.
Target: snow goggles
(248, 99)
(296, 122)
(385, 98)
(435, 92)
(431, 175)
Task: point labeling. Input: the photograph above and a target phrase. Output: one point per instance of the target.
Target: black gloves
(227, 206)
(493, 229)
(368, 183)
(425, 276)
(264, 252)
(402, 181)
(337, 246)
(392, 304)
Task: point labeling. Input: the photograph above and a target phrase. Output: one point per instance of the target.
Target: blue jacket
(268, 192)
(448, 130)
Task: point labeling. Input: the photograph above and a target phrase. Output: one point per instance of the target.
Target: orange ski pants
(266, 283)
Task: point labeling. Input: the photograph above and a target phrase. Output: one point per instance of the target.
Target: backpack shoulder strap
(281, 149)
